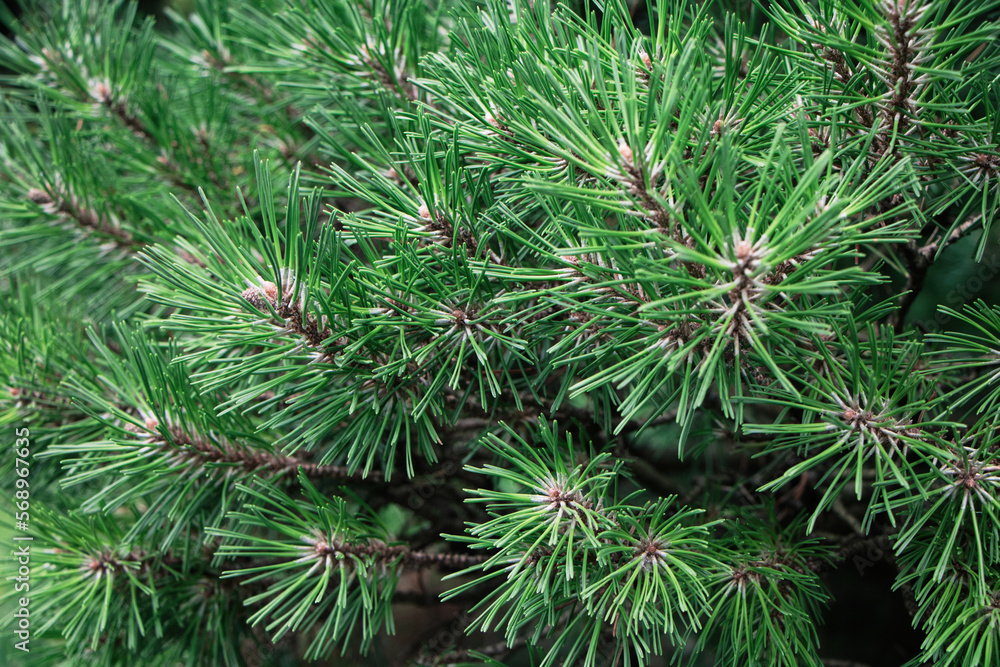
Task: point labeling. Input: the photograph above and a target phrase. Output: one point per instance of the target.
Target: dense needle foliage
(599, 334)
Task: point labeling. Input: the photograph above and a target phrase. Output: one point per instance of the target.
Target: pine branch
(904, 44)
(71, 210)
(198, 450)
(655, 223)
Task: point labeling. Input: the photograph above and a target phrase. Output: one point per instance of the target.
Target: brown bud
(101, 91)
(40, 197)
(625, 151)
(257, 295)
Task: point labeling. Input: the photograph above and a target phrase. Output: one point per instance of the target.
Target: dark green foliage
(594, 323)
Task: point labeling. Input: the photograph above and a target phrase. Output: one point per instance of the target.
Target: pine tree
(602, 334)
